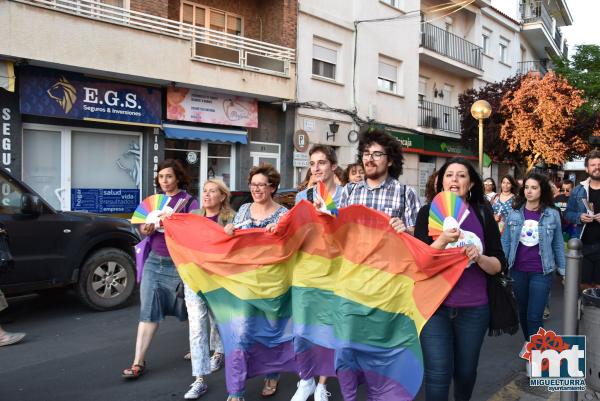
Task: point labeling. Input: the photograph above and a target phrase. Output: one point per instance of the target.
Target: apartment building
(106, 89)
(403, 64)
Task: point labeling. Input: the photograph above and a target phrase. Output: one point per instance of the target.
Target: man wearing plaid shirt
(381, 156)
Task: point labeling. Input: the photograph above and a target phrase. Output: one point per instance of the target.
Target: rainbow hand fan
(447, 211)
(328, 205)
(150, 210)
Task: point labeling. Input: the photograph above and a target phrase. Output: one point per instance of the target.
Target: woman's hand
(270, 228)
(147, 229)
(449, 236)
(228, 229)
(397, 224)
(472, 253)
(497, 217)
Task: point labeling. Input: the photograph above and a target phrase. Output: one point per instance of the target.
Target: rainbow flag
(343, 297)
(329, 205)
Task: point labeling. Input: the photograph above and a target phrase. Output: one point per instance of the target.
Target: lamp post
(481, 110)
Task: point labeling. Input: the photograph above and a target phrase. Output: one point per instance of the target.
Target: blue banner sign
(54, 93)
(104, 200)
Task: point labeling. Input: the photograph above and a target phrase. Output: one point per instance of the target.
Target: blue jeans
(531, 291)
(451, 341)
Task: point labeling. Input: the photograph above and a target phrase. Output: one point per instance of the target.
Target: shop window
(83, 169)
(219, 163)
(10, 197)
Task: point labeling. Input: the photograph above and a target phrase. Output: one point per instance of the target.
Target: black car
(53, 249)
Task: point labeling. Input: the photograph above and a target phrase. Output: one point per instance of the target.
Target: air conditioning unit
(431, 121)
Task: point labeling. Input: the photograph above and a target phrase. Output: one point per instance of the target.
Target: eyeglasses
(260, 185)
(374, 155)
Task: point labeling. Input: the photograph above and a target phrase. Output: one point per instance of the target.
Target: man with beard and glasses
(583, 209)
(381, 157)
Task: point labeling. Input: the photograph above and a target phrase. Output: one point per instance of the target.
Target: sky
(585, 14)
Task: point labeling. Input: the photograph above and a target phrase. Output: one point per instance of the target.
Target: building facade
(105, 90)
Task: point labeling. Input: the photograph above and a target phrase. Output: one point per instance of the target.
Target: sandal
(267, 390)
(188, 356)
(134, 371)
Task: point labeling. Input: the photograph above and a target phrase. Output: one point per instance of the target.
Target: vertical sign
(10, 130)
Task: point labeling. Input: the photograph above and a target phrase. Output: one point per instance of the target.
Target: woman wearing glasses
(263, 212)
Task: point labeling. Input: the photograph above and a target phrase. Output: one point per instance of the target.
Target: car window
(10, 196)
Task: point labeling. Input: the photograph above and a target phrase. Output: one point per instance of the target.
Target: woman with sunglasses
(263, 212)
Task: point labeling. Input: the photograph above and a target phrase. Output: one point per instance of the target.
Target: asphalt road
(73, 353)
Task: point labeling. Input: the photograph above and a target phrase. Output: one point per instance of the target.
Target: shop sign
(410, 142)
(446, 148)
(10, 132)
(104, 200)
(184, 104)
(54, 93)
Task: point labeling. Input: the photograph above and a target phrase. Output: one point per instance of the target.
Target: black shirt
(591, 234)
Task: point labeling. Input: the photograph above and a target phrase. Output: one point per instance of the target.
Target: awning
(205, 134)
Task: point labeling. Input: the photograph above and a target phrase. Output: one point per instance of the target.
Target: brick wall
(159, 8)
(272, 21)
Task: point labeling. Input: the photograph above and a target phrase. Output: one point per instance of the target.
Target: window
(10, 196)
(393, 3)
(485, 40)
(504, 50)
(324, 61)
(205, 17)
(387, 77)
(422, 91)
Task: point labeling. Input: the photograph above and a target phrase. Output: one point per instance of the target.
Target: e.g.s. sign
(53, 93)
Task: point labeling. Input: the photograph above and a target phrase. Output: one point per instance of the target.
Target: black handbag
(504, 311)
(6, 260)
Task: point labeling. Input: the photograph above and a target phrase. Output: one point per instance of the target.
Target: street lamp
(481, 110)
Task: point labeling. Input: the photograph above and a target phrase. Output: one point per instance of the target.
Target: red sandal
(134, 371)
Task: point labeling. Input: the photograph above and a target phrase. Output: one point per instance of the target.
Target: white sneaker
(197, 389)
(321, 393)
(216, 361)
(305, 389)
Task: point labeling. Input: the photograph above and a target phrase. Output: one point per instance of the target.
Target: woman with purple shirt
(534, 245)
(452, 338)
(160, 282)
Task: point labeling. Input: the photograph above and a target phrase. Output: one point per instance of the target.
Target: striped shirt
(391, 198)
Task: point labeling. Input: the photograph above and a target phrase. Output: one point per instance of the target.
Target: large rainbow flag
(343, 297)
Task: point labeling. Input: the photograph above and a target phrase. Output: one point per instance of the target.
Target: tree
(539, 116)
(493, 145)
(583, 72)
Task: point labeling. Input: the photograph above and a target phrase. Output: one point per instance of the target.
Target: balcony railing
(449, 45)
(534, 11)
(536, 66)
(438, 116)
(206, 44)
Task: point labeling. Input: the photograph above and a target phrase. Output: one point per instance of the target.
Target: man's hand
(587, 218)
(397, 224)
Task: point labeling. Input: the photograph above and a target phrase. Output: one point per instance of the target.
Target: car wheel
(107, 279)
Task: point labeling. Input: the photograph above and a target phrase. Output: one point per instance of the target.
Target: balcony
(449, 51)
(438, 117)
(540, 28)
(535, 66)
(92, 35)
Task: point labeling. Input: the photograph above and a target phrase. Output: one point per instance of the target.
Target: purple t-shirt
(471, 288)
(158, 243)
(528, 257)
(214, 218)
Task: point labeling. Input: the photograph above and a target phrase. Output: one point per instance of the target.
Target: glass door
(42, 170)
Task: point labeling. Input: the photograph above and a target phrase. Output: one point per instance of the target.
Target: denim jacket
(575, 206)
(552, 247)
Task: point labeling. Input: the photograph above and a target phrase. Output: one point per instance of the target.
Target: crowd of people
(518, 230)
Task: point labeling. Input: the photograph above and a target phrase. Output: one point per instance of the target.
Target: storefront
(205, 131)
(88, 144)
(426, 154)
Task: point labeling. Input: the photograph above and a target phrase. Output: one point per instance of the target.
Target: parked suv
(53, 249)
